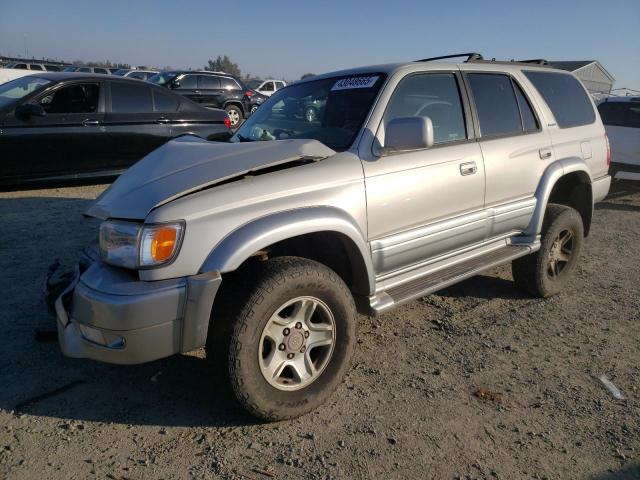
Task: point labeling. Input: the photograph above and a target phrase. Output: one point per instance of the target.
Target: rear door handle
(545, 153)
(468, 168)
(88, 123)
(162, 120)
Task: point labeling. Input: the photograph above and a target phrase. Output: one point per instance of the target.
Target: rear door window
(496, 104)
(130, 98)
(188, 82)
(208, 82)
(565, 96)
(620, 114)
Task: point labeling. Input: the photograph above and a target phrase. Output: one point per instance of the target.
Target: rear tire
(547, 271)
(293, 335)
(235, 115)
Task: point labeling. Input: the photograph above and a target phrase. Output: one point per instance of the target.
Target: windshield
(70, 69)
(121, 72)
(19, 88)
(330, 110)
(162, 78)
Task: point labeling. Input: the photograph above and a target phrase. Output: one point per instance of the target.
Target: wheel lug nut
(306, 334)
(286, 332)
(281, 347)
(290, 356)
(298, 325)
(303, 349)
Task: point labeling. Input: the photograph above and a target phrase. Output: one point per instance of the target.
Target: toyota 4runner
(412, 177)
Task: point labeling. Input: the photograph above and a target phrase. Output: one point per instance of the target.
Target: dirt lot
(410, 408)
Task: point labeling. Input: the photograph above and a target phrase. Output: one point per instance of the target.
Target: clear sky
(287, 38)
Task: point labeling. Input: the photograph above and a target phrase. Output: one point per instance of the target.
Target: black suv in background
(210, 89)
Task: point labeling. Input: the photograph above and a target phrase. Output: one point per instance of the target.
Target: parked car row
(64, 126)
(41, 67)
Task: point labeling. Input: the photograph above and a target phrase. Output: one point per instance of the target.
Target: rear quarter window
(565, 96)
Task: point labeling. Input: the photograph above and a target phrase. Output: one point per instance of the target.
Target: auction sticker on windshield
(355, 82)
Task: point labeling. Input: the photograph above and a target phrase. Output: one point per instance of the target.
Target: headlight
(119, 243)
(132, 245)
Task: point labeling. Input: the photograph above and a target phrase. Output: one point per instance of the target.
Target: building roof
(571, 66)
(576, 65)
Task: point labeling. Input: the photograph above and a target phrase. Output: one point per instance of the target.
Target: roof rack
(470, 57)
(474, 57)
(539, 61)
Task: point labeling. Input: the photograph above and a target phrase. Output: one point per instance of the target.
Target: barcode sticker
(355, 82)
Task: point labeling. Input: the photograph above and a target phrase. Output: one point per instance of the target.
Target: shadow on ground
(630, 472)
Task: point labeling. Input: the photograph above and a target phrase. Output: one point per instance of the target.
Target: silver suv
(412, 177)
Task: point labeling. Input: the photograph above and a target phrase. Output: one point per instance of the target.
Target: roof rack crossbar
(470, 57)
(539, 61)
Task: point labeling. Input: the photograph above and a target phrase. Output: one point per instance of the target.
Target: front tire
(546, 272)
(293, 338)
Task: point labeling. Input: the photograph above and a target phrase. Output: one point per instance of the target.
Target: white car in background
(266, 87)
(8, 74)
(621, 118)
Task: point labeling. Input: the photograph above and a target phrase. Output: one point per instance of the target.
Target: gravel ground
(479, 381)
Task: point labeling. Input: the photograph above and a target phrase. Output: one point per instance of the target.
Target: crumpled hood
(188, 164)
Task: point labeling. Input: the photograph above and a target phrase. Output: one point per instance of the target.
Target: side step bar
(444, 277)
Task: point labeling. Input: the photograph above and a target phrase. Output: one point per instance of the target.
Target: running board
(405, 292)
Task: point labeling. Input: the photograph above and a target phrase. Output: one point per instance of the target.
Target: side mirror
(174, 84)
(28, 110)
(408, 133)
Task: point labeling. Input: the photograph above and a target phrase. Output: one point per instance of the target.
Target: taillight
(227, 122)
(249, 93)
(606, 139)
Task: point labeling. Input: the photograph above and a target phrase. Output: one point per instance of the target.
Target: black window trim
(586, 92)
(470, 127)
(476, 119)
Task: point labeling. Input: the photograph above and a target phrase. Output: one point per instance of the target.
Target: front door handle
(88, 123)
(162, 120)
(468, 168)
(545, 153)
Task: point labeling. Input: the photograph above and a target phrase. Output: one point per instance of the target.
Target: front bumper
(107, 314)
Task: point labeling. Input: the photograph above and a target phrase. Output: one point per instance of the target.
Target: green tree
(223, 64)
(307, 75)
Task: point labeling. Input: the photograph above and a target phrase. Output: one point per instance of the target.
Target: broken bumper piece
(108, 314)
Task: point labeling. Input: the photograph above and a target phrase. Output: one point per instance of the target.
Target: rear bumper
(106, 314)
(600, 188)
(623, 167)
